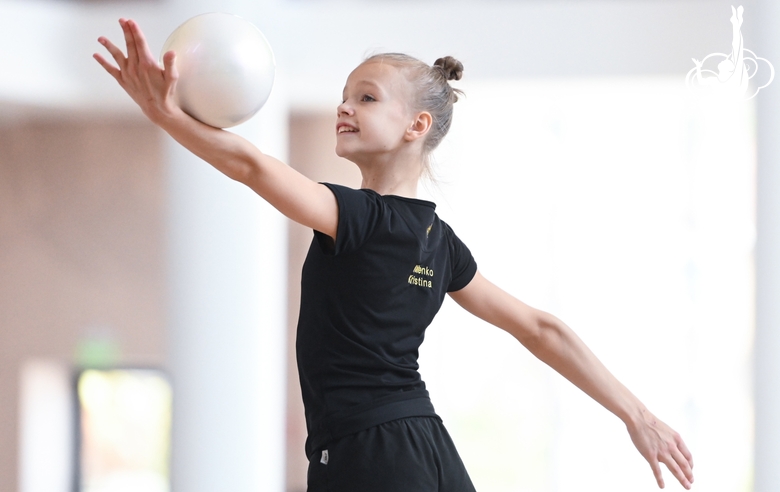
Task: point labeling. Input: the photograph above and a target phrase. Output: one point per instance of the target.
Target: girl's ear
(419, 127)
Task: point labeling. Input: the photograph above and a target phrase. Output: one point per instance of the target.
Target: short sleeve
(464, 267)
(360, 211)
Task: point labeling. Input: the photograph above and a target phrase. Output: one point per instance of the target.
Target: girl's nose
(344, 109)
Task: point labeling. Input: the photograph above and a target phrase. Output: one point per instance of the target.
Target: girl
(377, 271)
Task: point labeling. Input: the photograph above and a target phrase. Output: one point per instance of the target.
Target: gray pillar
(767, 340)
(227, 331)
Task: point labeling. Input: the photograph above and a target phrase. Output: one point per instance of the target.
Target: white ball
(226, 68)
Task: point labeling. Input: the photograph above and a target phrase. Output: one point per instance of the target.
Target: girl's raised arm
(152, 88)
(557, 345)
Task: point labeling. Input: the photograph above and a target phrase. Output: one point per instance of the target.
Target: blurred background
(148, 304)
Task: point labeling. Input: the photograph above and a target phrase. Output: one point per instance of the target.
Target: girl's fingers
(673, 467)
(170, 74)
(112, 70)
(683, 464)
(663, 445)
(115, 52)
(685, 452)
(656, 466)
(132, 51)
(142, 47)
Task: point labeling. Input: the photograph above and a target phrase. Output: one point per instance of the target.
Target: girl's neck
(390, 185)
(396, 177)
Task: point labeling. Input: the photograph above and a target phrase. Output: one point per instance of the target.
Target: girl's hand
(139, 73)
(658, 443)
(153, 87)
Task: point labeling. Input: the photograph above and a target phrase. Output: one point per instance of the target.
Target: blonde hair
(432, 93)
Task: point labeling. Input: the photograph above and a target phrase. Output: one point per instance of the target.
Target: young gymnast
(377, 271)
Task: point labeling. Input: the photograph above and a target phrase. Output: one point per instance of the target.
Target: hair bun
(452, 68)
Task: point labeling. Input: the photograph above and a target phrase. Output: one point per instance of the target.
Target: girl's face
(374, 115)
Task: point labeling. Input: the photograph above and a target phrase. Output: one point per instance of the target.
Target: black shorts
(414, 454)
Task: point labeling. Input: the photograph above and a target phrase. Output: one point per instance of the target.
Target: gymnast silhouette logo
(734, 70)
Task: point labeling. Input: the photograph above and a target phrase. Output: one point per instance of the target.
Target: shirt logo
(418, 277)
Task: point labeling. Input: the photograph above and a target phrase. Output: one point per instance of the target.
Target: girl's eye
(367, 98)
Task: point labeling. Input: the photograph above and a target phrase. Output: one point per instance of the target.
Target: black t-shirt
(366, 301)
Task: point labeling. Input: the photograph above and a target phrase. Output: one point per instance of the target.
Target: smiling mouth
(346, 129)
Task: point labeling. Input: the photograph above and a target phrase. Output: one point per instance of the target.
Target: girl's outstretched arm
(153, 87)
(557, 345)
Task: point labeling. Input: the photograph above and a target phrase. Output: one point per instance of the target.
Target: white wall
(767, 342)
(317, 43)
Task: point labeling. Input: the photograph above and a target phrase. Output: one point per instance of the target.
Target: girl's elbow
(244, 171)
(540, 332)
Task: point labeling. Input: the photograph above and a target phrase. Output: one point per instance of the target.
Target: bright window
(125, 430)
(626, 208)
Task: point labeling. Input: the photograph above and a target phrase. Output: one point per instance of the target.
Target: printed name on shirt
(419, 280)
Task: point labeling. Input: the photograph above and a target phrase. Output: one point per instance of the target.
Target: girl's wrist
(166, 115)
(637, 417)
(629, 409)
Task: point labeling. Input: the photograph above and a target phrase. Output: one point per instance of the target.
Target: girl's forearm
(550, 340)
(227, 152)
(559, 347)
